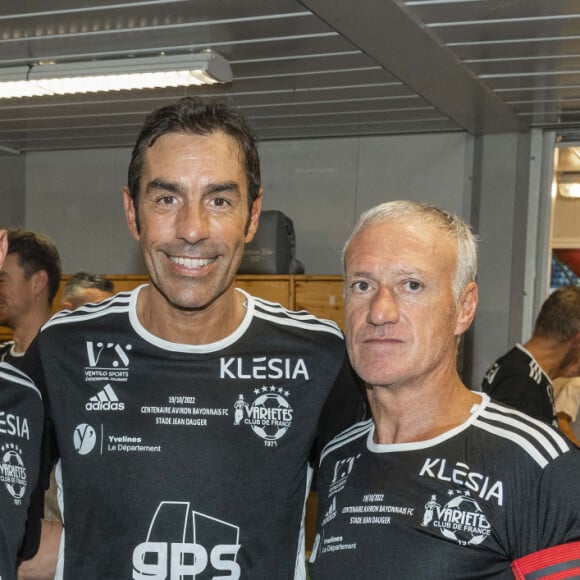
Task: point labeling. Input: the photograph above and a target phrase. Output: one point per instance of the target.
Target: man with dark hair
(21, 422)
(188, 413)
(29, 281)
(442, 483)
(523, 376)
(84, 287)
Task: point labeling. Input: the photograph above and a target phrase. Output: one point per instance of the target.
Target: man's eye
(166, 199)
(220, 202)
(413, 285)
(361, 286)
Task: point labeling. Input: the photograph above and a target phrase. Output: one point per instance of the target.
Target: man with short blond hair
(441, 482)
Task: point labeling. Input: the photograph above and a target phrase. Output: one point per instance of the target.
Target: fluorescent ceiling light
(114, 75)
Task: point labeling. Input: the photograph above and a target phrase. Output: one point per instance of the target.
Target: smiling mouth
(192, 263)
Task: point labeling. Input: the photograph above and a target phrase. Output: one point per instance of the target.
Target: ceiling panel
(526, 51)
(307, 68)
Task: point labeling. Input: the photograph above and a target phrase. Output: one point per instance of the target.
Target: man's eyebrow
(173, 187)
(399, 271)
(358, 274)
(223, 186)
(161, 184)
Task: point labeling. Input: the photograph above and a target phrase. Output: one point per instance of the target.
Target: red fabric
(558, 562)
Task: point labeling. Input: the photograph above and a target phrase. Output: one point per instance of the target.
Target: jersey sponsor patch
(105, 400)
(264, 368)
(13, 472)
(460, 518)
(84, 438)
(107, 361)
(342, 469)
(87, 438)
(14, 425)
(184, 543)
(269, 415)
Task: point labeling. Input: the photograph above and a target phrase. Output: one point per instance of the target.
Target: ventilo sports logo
(107, 361)
(183, 543)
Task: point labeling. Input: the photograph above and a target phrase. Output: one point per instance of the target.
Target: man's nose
(193, 223)
(383, 307)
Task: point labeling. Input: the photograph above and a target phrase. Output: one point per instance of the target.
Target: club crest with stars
(460, 518)
(269, 415)
(13, 471)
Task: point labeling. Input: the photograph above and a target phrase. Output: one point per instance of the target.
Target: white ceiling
(308, 68)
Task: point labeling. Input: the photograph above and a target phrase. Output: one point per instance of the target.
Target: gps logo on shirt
(183, 543)
(269, 416)
(460, 519)
(13, 471)
(108, 361)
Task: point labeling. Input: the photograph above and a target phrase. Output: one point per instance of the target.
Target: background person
(522, 377)
(567, 404)
(142, 393)
(84, 287)
(441, 482)
(22, 416)
(29, 281)
(567, 399)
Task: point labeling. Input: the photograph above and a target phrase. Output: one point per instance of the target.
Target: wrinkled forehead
(402, 242)
(391, 228)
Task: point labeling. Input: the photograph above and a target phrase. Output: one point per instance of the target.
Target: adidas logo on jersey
(105, 400)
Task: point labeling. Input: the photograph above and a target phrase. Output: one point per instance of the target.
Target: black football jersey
(182, 461)
(21, 427)
(460, 506)
(8, 355)
(516, 379)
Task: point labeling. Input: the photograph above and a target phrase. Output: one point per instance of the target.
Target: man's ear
(39, 281)
(254, 220)
(130, 213)
(3, 246)
(466, 307)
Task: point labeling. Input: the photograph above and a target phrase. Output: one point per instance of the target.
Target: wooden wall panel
(321, 295)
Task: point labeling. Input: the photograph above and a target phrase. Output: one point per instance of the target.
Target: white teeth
(191, 262)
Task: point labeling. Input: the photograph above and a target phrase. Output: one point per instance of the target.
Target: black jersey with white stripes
(460, 506)
(9, 355)
(184, 460)
(21, 427)
(518, 380)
